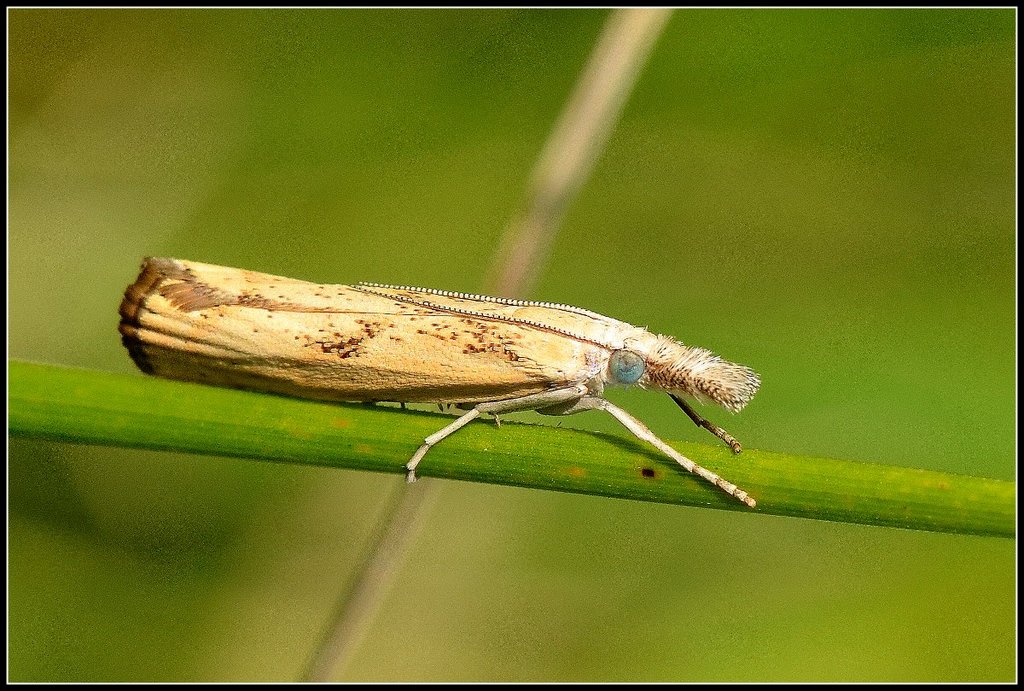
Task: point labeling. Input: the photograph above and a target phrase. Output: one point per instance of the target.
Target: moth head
(660, 362)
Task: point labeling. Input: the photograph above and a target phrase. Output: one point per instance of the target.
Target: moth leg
(530, 402)
(641, 431)
(709, 426)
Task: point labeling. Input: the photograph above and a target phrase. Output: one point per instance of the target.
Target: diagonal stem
(358, 605)
(572, 148)
(564, 164)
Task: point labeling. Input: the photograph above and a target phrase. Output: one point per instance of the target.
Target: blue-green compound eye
(626, 366)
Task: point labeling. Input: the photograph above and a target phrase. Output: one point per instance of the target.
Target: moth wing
(194, 321)
(572, 322)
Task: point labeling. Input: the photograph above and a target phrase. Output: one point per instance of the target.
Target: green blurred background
(827, 196)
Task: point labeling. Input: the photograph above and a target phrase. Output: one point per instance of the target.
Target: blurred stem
(573, 145)
(566, 161)
(92, 407)
(357, 605)
(564, 164)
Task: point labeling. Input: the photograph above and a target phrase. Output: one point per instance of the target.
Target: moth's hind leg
(545, 399)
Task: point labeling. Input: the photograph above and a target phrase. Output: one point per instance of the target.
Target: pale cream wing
(199, 322)
(574, 322)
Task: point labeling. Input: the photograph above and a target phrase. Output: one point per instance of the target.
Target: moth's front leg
(641, 431)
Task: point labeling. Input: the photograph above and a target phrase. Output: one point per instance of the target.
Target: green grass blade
(91, 407)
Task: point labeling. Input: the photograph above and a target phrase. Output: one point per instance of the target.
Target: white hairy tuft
(701, 374)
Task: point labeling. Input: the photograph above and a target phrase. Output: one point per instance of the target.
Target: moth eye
(626, 366)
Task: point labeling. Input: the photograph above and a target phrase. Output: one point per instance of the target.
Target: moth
(374, 342)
